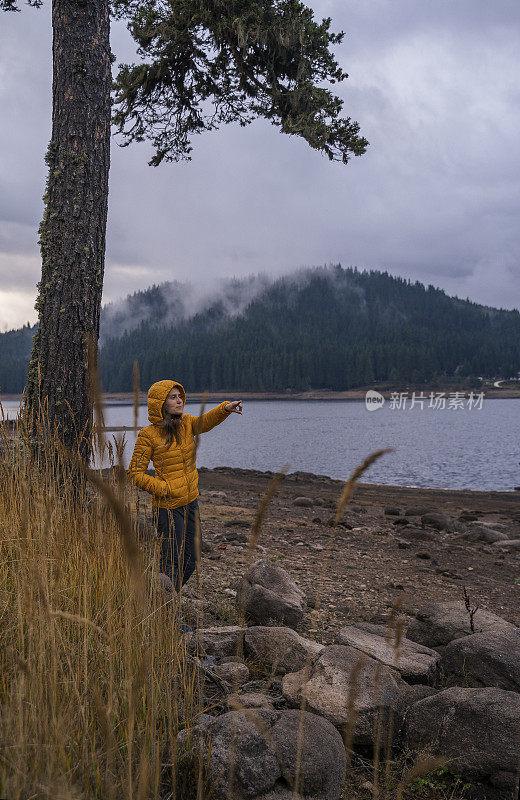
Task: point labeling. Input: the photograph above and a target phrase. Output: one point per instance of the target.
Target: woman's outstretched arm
(139, 464)
(207, 421)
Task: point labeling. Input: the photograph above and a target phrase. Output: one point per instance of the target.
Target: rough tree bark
(72, 232)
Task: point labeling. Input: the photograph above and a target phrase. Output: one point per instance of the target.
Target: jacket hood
(157, 394)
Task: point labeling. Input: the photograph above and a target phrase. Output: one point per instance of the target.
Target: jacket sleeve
(139, 464)
(207, 421)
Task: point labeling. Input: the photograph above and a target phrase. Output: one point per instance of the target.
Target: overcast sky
(435, 88)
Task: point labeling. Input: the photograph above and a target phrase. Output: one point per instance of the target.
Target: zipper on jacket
(184, 467)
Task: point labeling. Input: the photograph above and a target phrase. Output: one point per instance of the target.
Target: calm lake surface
(463, 448)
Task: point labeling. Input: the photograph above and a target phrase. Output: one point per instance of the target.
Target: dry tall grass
(95, 675)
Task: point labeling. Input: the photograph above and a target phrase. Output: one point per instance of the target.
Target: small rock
(237, 523)
(448, 573)
(511, 544)
(357, 508)
(418, 511)
(422, 533)
(479, 532)
(328, 503)
(249, 700)
(232, 672)
(441, 522)
(392, 511)
(217, 641)
(258, 686)
(306, 502)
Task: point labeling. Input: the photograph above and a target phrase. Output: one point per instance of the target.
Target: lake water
(464, 448)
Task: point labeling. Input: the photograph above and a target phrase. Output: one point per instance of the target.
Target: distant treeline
(15, 350)
(337, 329)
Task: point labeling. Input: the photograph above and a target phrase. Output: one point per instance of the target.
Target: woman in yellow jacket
(169, 443)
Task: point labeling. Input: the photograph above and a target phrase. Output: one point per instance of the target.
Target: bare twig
(471, 611)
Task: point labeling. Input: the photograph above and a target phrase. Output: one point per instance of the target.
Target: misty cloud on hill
(174, 301)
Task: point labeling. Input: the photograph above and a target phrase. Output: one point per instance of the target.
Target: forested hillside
(323, 328)
(15, 350)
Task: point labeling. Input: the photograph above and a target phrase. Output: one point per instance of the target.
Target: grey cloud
(434, 199)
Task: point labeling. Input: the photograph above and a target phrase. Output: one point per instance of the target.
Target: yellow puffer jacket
(177, 479)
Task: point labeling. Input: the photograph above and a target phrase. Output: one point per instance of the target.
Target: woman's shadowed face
(174, 403)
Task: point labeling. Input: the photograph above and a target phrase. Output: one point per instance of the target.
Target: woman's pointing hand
(235, 405)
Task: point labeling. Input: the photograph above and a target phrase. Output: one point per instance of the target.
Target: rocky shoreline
(490, 393)
(403, 572)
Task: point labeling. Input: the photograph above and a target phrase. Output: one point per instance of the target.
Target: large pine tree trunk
(72, 232)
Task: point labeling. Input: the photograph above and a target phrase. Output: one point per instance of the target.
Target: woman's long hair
(171, 427)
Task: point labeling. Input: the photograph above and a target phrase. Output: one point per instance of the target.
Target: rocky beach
(382, 549)
(402, 618)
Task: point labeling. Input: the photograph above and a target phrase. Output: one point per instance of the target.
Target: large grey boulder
(477, 730)
(237, 742)
(279, 649)
(415, 663)
(318, 770)
(267, 593)
(491, 658)
(437, 624)
(261, 752)
(347, 686)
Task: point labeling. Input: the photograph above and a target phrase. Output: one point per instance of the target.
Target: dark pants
(177, 530)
